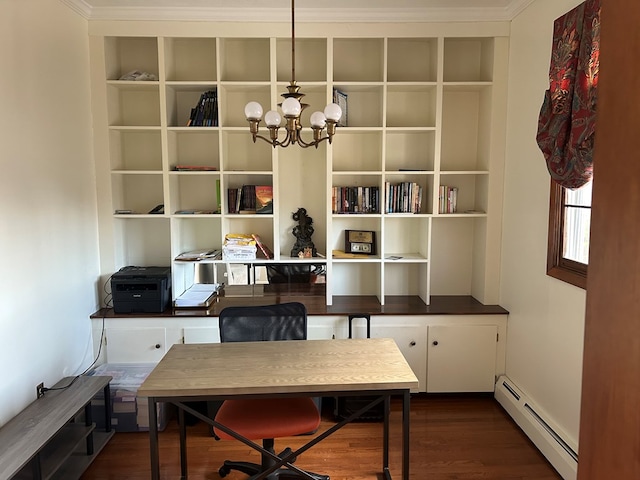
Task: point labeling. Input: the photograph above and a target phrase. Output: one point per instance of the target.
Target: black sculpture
(303, 247)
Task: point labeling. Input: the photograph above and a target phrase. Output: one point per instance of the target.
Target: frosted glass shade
(253, 111)
(291, 107)
(333, 112)
(272, 118)
(318, 120)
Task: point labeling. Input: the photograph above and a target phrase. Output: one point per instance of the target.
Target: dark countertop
(342, 305)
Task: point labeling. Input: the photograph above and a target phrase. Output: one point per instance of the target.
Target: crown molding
(266, 14)
(80, 7)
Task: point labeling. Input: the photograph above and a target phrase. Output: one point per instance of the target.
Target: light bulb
(333, 112)
(253, 111)
(291, 107)
(272, 118)
(318, 119)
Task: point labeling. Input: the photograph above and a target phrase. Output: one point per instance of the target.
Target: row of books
(205, 113)
(250, 199)
(355, 199)
(403, 197)
(447, 199)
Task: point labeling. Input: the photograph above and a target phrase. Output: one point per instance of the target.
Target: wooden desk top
(257, 368)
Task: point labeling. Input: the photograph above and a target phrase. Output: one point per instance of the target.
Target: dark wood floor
(452, 437)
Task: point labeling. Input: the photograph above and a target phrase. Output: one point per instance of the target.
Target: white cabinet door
(201, 335)
(410, 336)
(135, 345)
(461, 358)
(322, 327)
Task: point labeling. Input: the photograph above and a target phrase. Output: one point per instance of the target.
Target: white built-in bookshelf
(427, 110)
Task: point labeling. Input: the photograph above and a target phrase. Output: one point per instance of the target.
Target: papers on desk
(199, 295)
(198, 255)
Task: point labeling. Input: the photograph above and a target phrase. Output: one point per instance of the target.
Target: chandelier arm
(266, 140)
(287, 140)
(304, 144)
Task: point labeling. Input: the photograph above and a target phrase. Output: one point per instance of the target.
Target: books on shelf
(447, 199)
(355, 199)
(250, 199)
(262, 247)
(195, 211)
(205, 113)
(264, 199)
(340, 98)
(403, 197)
(195, 168)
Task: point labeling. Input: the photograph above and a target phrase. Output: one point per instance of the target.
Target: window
(569, 226)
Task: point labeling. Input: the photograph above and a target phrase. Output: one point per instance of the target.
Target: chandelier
(292, 108)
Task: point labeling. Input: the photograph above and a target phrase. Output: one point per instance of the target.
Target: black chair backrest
(283, 321)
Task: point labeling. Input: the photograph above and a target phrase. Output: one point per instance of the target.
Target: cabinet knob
(435, 343)
(158, 345)
(412, 343)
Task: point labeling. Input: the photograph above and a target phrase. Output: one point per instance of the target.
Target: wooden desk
(292, 368)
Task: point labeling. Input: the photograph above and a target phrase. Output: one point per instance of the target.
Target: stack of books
(205, 113)
(239, 247)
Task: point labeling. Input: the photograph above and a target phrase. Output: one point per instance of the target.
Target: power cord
(107, 304)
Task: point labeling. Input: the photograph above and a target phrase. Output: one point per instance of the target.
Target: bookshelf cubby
(421, 109)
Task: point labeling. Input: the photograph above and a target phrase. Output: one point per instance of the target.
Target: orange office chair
(266, 419)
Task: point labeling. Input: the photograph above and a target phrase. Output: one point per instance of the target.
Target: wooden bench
(46, 439)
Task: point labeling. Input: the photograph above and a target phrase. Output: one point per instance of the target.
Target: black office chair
(266, 419)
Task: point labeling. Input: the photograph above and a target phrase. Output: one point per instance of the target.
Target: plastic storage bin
(129, 413)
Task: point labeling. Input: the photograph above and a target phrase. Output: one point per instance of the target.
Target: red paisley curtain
(566, 125)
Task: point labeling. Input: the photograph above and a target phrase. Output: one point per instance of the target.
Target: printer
(141, 289)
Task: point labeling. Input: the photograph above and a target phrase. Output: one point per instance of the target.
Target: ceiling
(305, 10)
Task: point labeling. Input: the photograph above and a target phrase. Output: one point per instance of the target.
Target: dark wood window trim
(559, 267)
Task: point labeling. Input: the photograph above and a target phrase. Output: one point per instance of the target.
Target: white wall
(546, 321)
(48, 226)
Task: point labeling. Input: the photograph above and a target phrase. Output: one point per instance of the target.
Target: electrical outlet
(40, 390)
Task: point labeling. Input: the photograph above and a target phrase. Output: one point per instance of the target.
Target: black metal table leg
(183, 443)
(406, 399)
(153, 439)
(107, 408)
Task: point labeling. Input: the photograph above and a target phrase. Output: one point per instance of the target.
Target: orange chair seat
(257, 419)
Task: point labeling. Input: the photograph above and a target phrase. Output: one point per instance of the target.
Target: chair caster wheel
(224, 471)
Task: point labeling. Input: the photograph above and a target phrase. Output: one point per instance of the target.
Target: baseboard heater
(548, 439)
